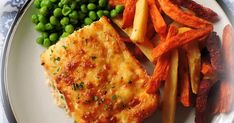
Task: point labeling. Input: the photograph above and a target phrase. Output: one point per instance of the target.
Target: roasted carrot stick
(129, 12)
(160, 25)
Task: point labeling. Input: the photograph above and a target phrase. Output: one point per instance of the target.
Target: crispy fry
(179, 40)
(116, 2)
(201, 100)
(129, 12)
(201, 11)
(170, 90)
(214, 48)
(225, 95)
(140, 22)
(160, 25)
(184, 92)
(162, 66)
(194, 61)
(182, 17)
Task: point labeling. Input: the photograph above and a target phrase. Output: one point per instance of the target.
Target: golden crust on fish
(100, 80)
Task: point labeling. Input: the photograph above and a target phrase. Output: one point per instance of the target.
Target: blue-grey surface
(9, 9)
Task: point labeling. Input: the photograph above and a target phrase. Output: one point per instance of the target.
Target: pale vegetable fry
(129, 12)
(140, 21)
(160, 25)
(170, 90)
(194, 61)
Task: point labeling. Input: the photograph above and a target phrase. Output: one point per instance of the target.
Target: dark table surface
(9, 9)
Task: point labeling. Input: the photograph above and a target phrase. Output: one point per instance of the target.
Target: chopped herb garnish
(57, 70)
(106, 107)
(65, 47)
(81, 86)
(57, 59)
(114, 97)
(95, 98)
(61, 97)
(103, 99)
(75, 121)
(51, 51)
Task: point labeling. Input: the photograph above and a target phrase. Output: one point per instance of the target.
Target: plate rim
(5, 97)
(9, 113)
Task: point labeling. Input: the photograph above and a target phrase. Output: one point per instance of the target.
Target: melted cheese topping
(99, 78)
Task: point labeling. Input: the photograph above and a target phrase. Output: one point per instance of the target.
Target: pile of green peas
(58, 18)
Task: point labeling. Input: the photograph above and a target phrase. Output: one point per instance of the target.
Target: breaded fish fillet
(100, 80)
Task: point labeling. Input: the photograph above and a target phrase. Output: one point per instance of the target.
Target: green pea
(87, 21)
(69, 29)
(81, 15)
(119, 8)
(53, 37)
(40, 27)
(113, 13)
(100, 13)
(37, 3)
(60, 4)
(83, 8)
(64, 21)
(40, 40)
(57, 12)
(44, 34)
(54, 20)
(91, 6)
(53, 1)
(65, 2)
(102, 3)
(106, 13)
(65, 34)
(43, 10)
(46, 42)
(74, 21)
(34, 19)
(49, 26)
(42, 18)
(73, 5)
(66, 10)
(92, 15)
(46, 3)
(74, 15)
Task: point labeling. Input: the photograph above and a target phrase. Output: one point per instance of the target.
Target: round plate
(25, 82)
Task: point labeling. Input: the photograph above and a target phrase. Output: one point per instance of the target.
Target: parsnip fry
(170, 91)
(129, 12)
(194, 60)
(184, 92)
(140, 21)
(160, 25)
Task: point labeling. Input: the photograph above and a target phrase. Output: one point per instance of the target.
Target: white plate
(25, 82)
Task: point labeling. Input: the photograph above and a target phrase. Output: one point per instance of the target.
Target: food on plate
(170, 90)
(140, 22)
(58, 19)
(97, 79)
(184, 80)
(160, 25)
(198, 9)
(129, 12)
(225, 89)
(104, 86)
